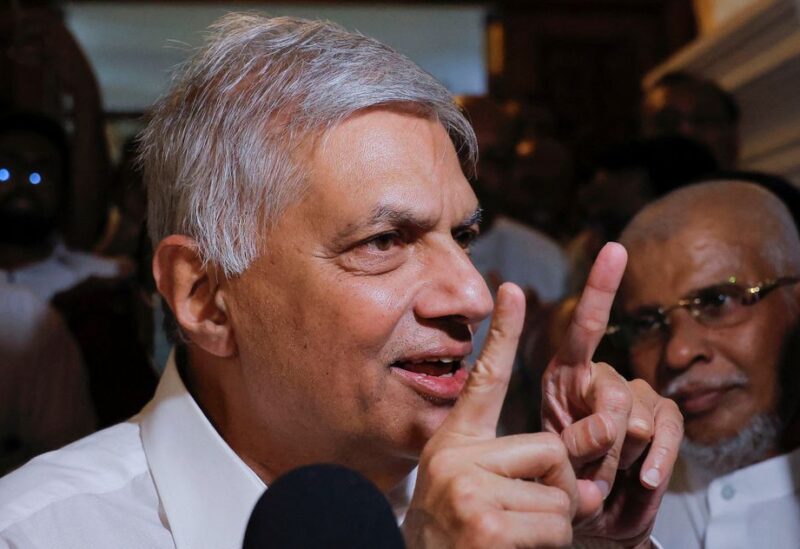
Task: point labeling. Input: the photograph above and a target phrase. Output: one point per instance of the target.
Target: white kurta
(757, 506)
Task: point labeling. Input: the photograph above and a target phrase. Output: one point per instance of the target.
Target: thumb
(478, 408)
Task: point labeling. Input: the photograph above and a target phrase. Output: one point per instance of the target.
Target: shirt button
(728, 492)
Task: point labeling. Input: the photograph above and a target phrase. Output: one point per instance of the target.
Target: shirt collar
(206, 490)
(766, 479)
(770, 478)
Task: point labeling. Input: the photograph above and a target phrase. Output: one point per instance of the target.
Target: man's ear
(194, 295)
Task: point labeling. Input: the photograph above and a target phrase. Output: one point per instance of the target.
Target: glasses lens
(643, 326)
(718, 305)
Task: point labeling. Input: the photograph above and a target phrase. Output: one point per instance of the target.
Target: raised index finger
(590, 319)
(478, 407)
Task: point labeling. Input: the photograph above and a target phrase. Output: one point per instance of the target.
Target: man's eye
(645, 324)
(383, 242)
(465, 237)
(715, 303)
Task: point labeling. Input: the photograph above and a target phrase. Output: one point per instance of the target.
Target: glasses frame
(752, 295)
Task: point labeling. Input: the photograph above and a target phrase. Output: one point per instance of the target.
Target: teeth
(445, 360)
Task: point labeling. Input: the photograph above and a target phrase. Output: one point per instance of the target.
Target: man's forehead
(387, 167)
(693, 258)
(374, 139)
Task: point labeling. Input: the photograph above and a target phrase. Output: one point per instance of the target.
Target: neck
(267, 447)
(13, 256)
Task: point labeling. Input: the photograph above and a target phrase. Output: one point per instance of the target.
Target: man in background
(708, 310)
(35, 187)
(680, 103)
(98, 305)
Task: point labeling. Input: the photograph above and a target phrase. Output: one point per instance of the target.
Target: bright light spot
(35, 178)
(5, 175)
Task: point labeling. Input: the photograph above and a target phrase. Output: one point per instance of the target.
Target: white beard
(751, 445)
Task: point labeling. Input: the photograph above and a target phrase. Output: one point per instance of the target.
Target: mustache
(692, 382)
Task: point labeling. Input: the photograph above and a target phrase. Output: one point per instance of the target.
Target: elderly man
(308, 196)
(710, 304)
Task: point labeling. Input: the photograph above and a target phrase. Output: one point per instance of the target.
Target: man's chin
(721, 454)
(425, 426)
(434, 417)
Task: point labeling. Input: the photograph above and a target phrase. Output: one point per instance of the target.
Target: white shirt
(62, 270)
(164, 479)
(757, 506)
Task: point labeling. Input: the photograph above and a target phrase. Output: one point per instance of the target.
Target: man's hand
(476, 490)
(592, 407)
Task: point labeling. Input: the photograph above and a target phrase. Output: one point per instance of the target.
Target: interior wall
(711, 14)
(132, 47)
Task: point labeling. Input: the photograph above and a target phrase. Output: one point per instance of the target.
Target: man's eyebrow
(384, 215)
(394, 216)
(400, 217)
(474, 218)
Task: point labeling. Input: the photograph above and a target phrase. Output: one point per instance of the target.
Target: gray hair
(752, 443)
(219, 151)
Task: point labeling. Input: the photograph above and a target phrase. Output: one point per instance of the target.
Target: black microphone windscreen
(322, 506)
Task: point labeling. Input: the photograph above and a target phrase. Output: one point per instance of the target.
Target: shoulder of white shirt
(101, 463)
(86, 264)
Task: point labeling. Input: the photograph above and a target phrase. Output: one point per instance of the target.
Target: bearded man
(708, 310)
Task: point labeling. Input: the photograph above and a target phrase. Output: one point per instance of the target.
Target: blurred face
(612, 198)
(721, 377)
(30, 178)
(693, 113)
(352, 325)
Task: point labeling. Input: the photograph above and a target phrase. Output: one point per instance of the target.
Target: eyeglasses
(719, 306)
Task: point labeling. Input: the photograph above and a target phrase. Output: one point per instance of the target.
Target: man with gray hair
(709, 310)
(312, 220)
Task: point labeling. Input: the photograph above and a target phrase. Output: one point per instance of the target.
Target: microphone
(322, 506)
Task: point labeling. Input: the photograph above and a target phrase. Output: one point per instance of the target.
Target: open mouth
(437, 379)
(442, 367)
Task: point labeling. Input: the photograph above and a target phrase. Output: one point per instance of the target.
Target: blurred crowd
(76, 333)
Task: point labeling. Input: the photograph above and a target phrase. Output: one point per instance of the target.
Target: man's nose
(686, 343)
(453, 287)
